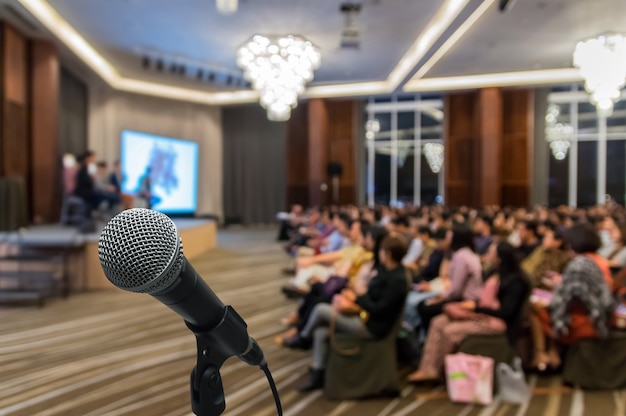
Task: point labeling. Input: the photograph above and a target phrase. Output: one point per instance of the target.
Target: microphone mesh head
(140, 251)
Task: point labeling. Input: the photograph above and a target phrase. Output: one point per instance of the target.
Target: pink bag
(469, 378)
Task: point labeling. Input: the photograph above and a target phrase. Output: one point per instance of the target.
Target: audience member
(484, 238)
(499, 310)
(528, 237)
(369, 316)
(550, 257)
(582, 301)
(465, 276)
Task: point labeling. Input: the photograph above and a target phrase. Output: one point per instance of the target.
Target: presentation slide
(161, 169)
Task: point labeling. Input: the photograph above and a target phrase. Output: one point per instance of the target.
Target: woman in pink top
(464, 273)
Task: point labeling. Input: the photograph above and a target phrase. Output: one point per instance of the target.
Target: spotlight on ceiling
(226, 6)
(505, 5)
(350, 34)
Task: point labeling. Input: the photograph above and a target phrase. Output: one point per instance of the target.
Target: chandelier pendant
(434, 156)
(279, 67)
(602, 63)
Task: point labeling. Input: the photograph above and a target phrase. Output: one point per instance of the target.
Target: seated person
(550, 257)
(528, 236)
(355, 276)
(103, 185)
(617, 257)
(416, 246)
(319, 268)
(372, 315)
(421, 292)
(465, 275)
(483, 228)
(85, 187)
(499, 310)
(582, 301)
(116, 179)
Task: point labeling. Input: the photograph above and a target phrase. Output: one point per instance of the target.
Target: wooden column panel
(45, 185)
(461, 149)
(297, 131)
(14, 144)
(517, 145)
(318, 152)
(490, 138)
(341, 137)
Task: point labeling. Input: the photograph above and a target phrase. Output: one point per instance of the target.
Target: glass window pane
(616, 170)
(429, 183)
(587, 118)
(406, 170)
(587, 173)
(616, 123)
(558, 182)
(382, 175)
(385, 126)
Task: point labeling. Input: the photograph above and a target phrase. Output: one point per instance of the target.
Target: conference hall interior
(329, 207)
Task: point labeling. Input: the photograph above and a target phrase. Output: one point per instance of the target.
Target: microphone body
(191, 298)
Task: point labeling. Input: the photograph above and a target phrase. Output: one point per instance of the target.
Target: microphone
(140, 251)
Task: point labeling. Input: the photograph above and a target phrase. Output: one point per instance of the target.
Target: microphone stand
(227, 339)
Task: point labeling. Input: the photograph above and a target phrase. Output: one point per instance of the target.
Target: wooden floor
(115, 353)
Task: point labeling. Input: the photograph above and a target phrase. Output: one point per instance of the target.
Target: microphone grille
(140, 251)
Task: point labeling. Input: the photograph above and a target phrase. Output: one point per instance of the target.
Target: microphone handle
(190, 297)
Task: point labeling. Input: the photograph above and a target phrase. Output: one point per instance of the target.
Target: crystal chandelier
(558, 135)
(602, 63)
(278, 67)
(434, 156)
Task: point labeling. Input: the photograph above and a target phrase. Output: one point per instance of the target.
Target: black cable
(270, 380)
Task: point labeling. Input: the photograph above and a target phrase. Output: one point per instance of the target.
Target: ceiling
(404, 44)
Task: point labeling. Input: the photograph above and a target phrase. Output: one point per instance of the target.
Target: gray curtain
(73, 97)
(254, 165)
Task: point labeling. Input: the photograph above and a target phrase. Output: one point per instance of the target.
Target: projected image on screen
(161, 171)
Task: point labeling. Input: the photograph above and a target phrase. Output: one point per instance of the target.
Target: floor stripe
(620, 408)
(392, 405)
(491, 408)
(304, 403)
(343, 407)
(410, 407)
(532, 382)
(577, 407)
(554, 399)
(466, 410)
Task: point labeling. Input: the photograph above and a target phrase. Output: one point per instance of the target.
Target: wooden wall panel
(341, 141)
(14, 148)
(490, 137)
(461, 150)
(45, 179)
(297, 156)
(318, 152)
(518, 136)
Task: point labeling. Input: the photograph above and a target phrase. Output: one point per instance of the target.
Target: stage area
(115, 353)
(77, 254)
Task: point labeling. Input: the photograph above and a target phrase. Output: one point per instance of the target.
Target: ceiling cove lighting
(500, 79)
(602, 63)
(279, 67)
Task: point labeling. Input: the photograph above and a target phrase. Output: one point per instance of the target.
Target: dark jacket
(431, 271)
(384, 300)
(513, 296)
(84, 184)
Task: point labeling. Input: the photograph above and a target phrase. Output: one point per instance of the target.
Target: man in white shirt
(416, 247)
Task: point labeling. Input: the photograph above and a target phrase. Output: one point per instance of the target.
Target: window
(398, 170)
(593, 169)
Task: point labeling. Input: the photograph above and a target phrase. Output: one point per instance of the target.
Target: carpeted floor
(115, 353)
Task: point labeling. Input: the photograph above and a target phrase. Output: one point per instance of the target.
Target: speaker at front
(334, 169)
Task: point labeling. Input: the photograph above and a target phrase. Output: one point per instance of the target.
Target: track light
(211, 77)
(182, 70)
(200, 74)
(173, 68)
(229, 80)
(145, 62)
(159, 65)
